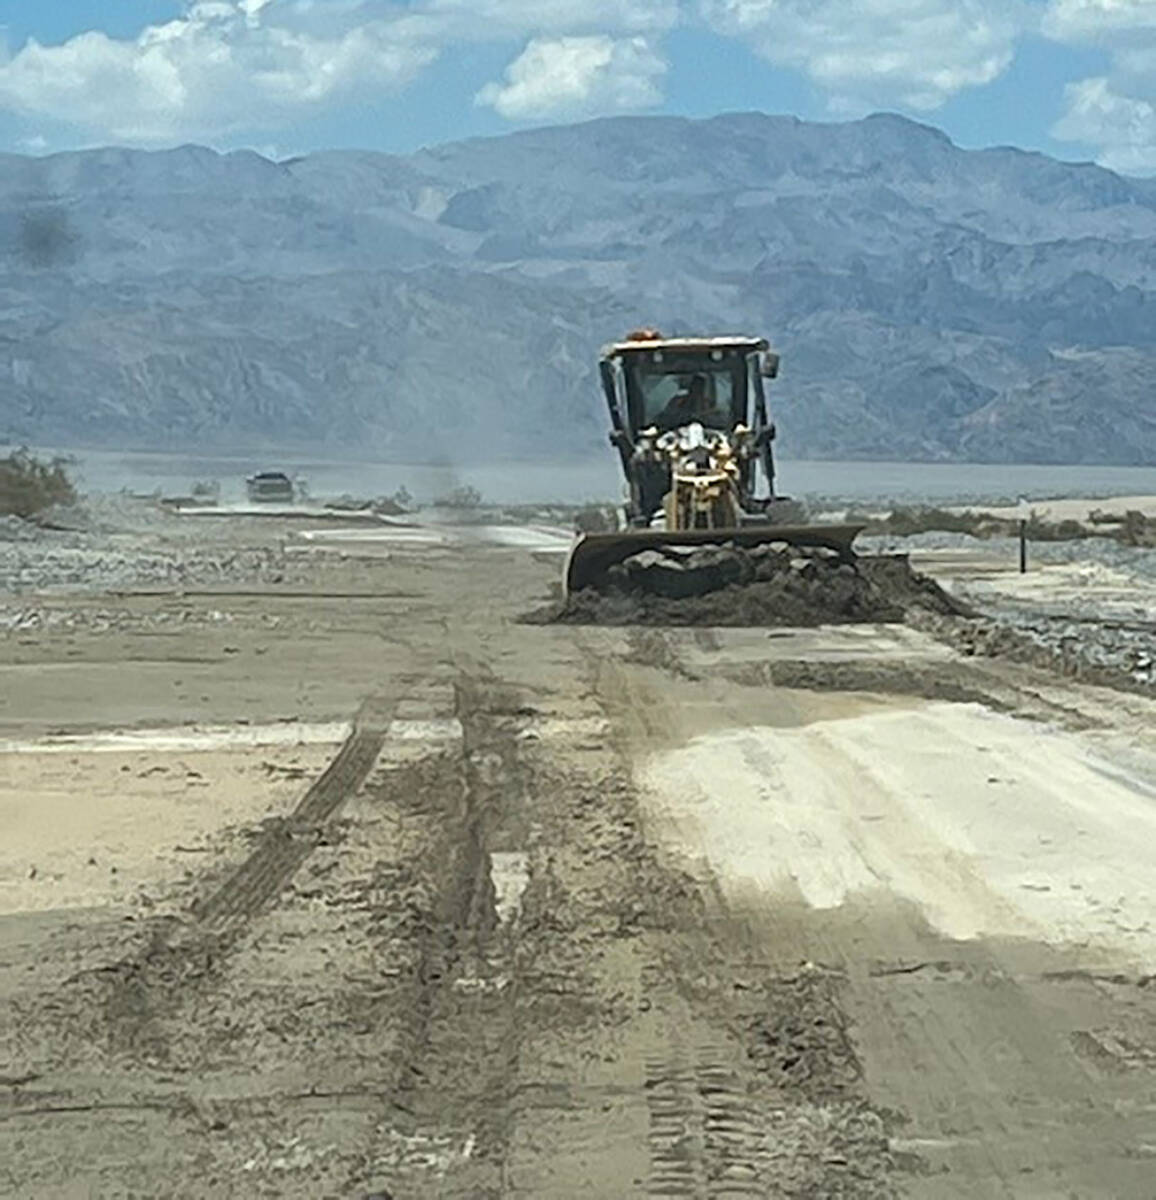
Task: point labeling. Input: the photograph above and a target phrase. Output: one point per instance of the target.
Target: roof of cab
(644, 345)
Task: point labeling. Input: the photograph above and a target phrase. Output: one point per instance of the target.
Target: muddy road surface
(353, 884)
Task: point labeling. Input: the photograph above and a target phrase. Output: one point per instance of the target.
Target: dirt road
(422, 901)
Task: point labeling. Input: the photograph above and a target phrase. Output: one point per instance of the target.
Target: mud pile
(762, 585)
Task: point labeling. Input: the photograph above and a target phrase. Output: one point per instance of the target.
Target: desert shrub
(402, 500)
(1137, 530)
(595, 518)
(1133, 529)
(463, 496)
(29, 485)
(908, 521)
(790, 512)
(1040, 530)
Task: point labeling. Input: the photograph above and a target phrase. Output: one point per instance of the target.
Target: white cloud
(225, 68)
(222, 66)
(1123, 128)
(1112, 113)
(578, 76)
(228, 66)
(542, 17)
(1097, 21)
(916, 53)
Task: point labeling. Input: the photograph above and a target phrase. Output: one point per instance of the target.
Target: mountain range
(929, 302)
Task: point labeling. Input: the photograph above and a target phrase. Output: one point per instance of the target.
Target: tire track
(707, 1127)
(750, 1078)
(454, 1074)
(706, 1133)
(677, 1159)
(130, 1005)
(732, 1133)
(287, 844)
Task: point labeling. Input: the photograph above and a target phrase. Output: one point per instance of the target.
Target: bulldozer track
(705, 1132)
(706, 1128)
(286, 844)
(677, 1161)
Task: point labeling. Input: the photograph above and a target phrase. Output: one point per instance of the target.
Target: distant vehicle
(271, 487)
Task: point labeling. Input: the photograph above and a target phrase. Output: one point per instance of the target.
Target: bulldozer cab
(662, 384)
(666, 383)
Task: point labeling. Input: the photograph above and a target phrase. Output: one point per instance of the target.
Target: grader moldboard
(690, 423)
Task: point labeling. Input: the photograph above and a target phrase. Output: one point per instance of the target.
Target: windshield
(670, 395)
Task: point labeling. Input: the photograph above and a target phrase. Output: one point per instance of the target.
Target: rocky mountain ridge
(930, 302)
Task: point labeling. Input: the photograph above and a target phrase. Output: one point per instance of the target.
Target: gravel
(1079, 635)
(116, 543)
(43, 568)
(15, 619)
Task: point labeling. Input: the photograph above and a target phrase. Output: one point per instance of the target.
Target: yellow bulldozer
(690, 422)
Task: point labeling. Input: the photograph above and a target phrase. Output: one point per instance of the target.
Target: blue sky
(1075, 78)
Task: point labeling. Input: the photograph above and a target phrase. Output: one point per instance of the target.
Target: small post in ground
(1024, 514)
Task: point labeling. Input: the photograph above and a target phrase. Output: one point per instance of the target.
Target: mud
(574, 911)
(734, 586)
(888, 679)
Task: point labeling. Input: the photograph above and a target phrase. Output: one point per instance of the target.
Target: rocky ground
(327, 874)
(1085, 606)
(115, 544)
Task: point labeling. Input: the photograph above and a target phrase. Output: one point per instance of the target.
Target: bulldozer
(690, 422)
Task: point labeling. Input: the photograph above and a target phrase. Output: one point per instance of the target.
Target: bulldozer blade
(593, 554)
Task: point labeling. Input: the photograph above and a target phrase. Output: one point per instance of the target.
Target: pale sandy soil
(988, 826)
(91, 824)
(1073, 508)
